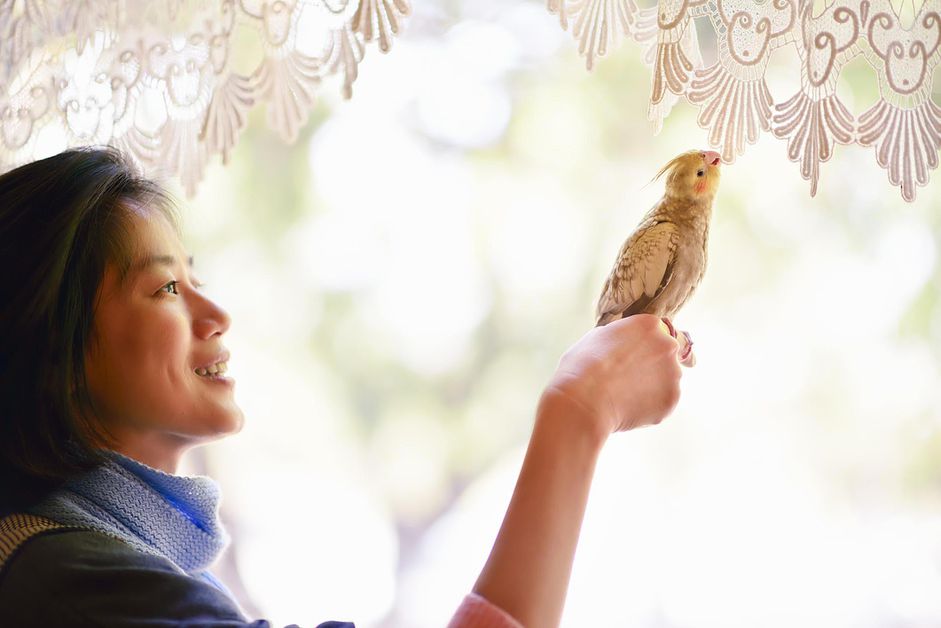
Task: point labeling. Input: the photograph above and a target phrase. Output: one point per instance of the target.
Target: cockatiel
(660, 265)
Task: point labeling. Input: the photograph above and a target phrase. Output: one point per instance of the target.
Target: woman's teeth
(215, 369)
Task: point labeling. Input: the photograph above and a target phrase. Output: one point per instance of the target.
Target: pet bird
(660, 265)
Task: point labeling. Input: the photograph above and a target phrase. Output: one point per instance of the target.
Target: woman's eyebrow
(157, 260)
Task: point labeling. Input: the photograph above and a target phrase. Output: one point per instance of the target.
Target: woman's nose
(211, 319)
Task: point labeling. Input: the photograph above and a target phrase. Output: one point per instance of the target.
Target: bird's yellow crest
(693, 174)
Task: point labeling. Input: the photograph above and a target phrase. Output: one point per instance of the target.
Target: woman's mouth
(215, 369)
(215, 373)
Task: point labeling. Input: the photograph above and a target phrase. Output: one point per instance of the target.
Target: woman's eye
(172, 286)
(700, 173)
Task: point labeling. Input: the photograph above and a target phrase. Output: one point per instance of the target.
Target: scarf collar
(173, 516)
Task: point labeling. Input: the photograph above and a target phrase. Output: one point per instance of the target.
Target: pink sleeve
(476, 612)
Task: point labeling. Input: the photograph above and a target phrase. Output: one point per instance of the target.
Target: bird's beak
(711, 157)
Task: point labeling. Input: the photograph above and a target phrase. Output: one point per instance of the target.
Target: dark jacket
(79, 579)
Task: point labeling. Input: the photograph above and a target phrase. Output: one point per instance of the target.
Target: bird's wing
(644, 268)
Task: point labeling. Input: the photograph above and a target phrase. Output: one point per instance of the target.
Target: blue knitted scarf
(176, 517)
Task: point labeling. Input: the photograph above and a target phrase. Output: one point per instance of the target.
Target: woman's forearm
(527, 573)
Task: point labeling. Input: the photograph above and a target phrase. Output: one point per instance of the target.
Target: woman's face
(150, 335)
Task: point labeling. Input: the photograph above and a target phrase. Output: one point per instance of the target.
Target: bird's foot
(689, 347)
(670, 327)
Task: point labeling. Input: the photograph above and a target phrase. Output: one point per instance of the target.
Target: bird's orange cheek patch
(700, 187)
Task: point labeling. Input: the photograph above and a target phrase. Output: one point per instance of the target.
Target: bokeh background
(404, 278)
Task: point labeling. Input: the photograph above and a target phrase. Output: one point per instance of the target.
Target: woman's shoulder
(58, 553)
(83, 577)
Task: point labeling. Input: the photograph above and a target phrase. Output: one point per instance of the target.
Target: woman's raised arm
(615, 378)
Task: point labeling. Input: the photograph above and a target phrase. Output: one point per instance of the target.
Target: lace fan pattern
(164, 80)
(903, 128)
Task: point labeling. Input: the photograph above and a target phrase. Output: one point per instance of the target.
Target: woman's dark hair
(62, 219)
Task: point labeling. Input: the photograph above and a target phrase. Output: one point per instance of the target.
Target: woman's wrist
(572, 418)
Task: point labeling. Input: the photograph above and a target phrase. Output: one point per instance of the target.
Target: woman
(112, 366)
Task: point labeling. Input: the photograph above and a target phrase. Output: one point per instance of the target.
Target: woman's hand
(622, 375)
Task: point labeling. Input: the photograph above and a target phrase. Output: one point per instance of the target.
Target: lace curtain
(171, 82)
(902, 128)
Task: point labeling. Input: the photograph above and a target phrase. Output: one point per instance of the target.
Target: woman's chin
(238, 423)
(221, 424)
(231, 423)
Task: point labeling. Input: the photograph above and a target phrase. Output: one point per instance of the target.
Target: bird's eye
(700, 173)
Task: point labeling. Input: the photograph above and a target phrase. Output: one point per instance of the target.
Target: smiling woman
(112, 365)
(156, 352)
(65, 222)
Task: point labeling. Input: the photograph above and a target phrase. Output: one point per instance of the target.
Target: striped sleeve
(477, 612)
(18, 528)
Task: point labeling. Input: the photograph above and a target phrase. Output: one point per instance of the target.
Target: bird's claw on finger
(670, 327)
(689, 347)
